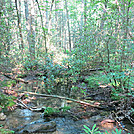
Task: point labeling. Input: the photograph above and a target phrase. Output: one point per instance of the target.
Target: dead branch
(17, 80)
(66, 98)
(23, 105)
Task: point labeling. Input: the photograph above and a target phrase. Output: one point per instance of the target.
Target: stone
(39, 127)
(2, 116)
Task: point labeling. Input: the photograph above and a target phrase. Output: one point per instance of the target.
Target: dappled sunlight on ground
(59, 55)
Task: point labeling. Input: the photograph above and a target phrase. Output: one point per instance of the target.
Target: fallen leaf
(107, 121)
(97, 103)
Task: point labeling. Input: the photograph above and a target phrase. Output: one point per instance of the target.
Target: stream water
(63, 125)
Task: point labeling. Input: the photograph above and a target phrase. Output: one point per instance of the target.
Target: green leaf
(93, 127)
(11, 103)
(87, 128)
(58, 10)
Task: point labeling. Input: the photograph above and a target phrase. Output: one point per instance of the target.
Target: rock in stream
(24, 121)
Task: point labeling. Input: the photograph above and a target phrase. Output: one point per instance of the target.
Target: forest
(67, 66)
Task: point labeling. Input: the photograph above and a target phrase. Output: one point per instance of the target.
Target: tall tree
(30, 28)
(69, 33)
(1, 13)
(6, 40)
(85, 20)
(49, 24)
(19, 24)
(42, 26)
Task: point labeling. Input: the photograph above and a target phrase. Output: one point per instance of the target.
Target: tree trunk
(69, 34)
(19, 25)
(49, 25)
(7, 40)
(85, 21)
(44, 32)
(30, 28)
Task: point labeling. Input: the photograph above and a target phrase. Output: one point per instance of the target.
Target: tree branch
(66, 98)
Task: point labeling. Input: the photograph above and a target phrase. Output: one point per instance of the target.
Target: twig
(31, 109)
(120, 123)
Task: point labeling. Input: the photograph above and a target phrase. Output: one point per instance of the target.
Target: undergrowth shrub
(31, 65)
(6, 101)
(95, 130)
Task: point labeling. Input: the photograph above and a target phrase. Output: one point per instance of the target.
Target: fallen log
(66, 98)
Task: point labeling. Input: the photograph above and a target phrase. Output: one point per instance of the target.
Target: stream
(22, 120)
(26, 121)
(64, 125)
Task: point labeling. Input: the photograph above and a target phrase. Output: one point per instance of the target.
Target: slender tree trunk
(49, 25)
(85, 21)
(81, 23)
(49, 22)
(7, 43)
(1, 30)
(19, 25)
(30, 29)
(63, 30)
(56, 22)
(44, 32)
(125, 20)
(69, 34)
(60, 27)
